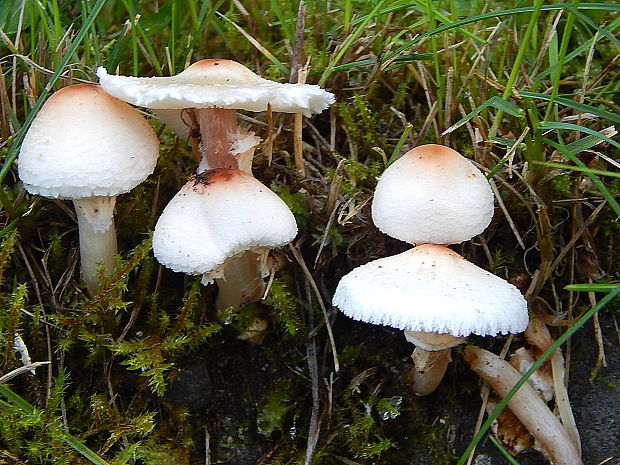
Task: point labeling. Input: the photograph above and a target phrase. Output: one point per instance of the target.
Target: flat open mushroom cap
(217, 214)
(216, 83)
(431, 288)
(86, 143)
(432, 194)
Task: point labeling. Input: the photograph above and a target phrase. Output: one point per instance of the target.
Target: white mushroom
(433, 290)
(434, 195)
(207, 94)
(214, 223)
(88, 146)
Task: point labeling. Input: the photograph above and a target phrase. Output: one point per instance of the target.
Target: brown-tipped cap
(218, 214)
(432, 194)
(432, 289)
(216, 83)
(85, 143)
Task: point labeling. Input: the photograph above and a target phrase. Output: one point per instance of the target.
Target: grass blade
(575, 106)
(83, 450)
(605, 287)
(589, 141)
(563, 166)
(595, 180)
(400, 143)
(581, 48)
(516, 66)
(347, 43)
(270, 56)
(576, 127)
(504, 452)
(498, 14)
(18, 401)
(203, 19)
(559, 59)
(82, 31)
(495, 102)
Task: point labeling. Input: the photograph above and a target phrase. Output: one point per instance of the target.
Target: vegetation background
(147, 372)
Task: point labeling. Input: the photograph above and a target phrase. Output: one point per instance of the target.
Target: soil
(428, 430)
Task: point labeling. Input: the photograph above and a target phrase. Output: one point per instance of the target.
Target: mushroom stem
(526, 404)
(97, 238)
(241, 282)
(217, 129)
(430, 357)
(222, 145)
(430, 368)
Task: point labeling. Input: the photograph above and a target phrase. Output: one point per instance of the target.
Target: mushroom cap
(432, 194)
(431, 288)
(218, 214)
(86, 143)
(216, 83)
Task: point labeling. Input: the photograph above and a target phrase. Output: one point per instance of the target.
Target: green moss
(271, 415)
(284, 306)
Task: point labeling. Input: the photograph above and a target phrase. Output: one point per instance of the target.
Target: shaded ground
(229, 392)
(597, 403)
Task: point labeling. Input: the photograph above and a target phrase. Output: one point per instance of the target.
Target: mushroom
(438, 298)
(206, 95)
(432, 194)
(216, 221)
(88, 146)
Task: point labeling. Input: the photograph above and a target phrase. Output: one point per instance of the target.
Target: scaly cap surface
(86, 143)
(431, 288)
(216, 83)
(217, 214)
(432, 194)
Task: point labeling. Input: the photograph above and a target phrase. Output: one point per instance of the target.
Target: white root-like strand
(541, 379)
(537, 334)
(561, 399)
(97, 238)
(552, 438)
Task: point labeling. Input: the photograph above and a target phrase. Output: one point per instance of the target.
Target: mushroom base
(430, 357)
(240, 279)
(430, 368)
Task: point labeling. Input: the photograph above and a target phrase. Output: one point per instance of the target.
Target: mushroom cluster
(430, 197)
(87, 144)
